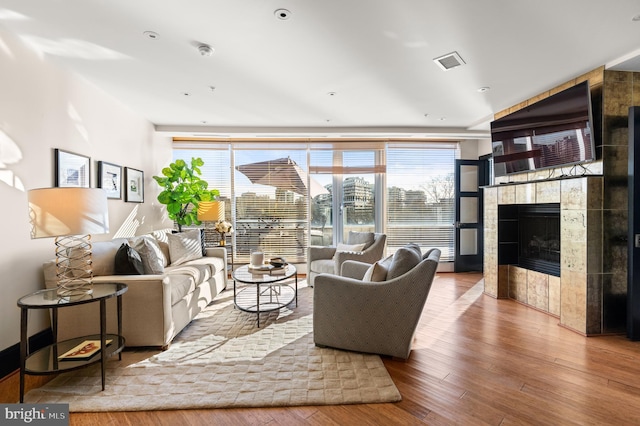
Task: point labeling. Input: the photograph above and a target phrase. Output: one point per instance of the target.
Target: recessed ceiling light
(484, 89)
(151, 35)
(212, 88)
(331, 93)
(186, 94)
(636, 18)
(442, 118)
(282, 14)
(204, 121)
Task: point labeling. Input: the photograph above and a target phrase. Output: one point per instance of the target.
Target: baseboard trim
(10, 357)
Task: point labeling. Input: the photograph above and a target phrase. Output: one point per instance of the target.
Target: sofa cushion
(184, 246)
(403, 260)
(180, 285)
(153, 260)
(323, 266)
(214, 264)
(365, 238)
(127, 261)
(376, 273)
(199, 272)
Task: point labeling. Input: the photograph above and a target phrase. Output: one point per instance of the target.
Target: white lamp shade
(56, 212)
(211, 211)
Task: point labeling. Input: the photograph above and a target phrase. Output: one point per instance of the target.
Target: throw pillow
(405, 259)
(376, 273)
(163, 242)
(128, 261)
(348, 248)
(365, 238)
(150, 253)
(184, 246)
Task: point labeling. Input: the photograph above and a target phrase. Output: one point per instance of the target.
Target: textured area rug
(222, 359)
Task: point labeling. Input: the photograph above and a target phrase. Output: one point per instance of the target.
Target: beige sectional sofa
(157, 305)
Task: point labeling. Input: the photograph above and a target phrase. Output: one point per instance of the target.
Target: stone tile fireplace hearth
(564, 214)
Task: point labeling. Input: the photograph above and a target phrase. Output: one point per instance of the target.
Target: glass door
(358, 207)
(470, 176)
(349, 205)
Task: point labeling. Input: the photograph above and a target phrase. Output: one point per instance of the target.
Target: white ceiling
(273, 76)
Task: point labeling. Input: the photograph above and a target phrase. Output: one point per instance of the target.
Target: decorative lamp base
(73, 266)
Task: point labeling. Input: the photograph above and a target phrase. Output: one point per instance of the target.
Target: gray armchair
(372, 317)
(323, 259)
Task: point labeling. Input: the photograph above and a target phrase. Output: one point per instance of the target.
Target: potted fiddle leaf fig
(183, 190)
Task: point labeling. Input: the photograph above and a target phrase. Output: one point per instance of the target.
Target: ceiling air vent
(448, 61)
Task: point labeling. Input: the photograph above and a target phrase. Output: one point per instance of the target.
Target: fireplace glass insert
(529, 237)
(539, 238)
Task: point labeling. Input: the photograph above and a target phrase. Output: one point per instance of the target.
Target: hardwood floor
(476, 360)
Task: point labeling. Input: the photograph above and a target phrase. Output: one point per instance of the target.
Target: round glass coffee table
(264, 289)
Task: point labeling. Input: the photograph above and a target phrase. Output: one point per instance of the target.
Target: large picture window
(284, 197)
(420, 198)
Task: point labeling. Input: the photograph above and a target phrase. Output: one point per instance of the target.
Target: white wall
(43, 107)
(471, 149)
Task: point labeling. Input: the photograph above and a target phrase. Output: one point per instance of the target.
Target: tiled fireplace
(589, 293)
(572, 288)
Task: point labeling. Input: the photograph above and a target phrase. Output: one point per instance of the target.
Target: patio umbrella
(282, 173)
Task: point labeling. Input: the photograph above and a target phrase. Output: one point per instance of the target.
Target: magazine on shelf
(83, 351)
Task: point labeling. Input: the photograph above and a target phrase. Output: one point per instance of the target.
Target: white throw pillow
(375, 273)
(153, 259)
(348, 248)
(161, 237)
(184, 246)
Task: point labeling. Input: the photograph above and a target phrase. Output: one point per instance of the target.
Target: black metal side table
(47, 360)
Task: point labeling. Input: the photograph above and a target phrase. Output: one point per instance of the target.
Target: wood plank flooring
(476, 361)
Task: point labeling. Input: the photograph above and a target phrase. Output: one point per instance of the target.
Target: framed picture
(110, 179)
(72, 170)
(134, 184)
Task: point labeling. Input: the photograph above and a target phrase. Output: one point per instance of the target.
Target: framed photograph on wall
(72, 170)
(134, 185)
(110, 179)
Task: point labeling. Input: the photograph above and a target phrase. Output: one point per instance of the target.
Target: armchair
(324, 259)
(373, 317)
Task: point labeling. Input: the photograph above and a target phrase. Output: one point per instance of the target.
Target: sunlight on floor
(445, 320)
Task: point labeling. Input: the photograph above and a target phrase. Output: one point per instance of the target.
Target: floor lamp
(210, 211)
(70, 215)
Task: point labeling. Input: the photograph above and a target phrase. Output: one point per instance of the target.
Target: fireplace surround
(590, 294)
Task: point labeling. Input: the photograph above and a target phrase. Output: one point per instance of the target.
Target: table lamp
(210, 211)
(70, 215)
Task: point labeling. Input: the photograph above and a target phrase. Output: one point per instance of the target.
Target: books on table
(83, 351)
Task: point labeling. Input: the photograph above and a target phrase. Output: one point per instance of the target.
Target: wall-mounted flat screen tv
(553, 132)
